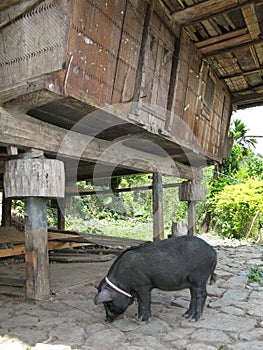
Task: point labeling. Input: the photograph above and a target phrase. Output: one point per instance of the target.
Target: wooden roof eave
(247, 99)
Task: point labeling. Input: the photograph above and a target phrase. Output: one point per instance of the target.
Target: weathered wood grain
(34, 178)
(36, 253)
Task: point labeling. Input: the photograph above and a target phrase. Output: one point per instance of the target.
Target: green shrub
(234, 208)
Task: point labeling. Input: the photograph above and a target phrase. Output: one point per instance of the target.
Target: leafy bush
(234, 208)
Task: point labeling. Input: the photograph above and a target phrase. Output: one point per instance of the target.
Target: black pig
(171, 264)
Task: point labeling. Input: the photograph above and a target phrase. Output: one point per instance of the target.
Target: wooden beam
(208, 9)
(158, 222)
(242, 73)
(226, 44)
(84, 192)
(219, 38)
(235, 47)
(202, 11)
(27, 132)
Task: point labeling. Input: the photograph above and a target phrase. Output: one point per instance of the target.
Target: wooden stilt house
(91, 89)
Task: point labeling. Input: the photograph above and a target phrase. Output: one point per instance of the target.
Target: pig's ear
(103, 296)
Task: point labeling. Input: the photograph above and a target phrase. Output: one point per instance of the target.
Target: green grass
(129, 228)
(256, 274)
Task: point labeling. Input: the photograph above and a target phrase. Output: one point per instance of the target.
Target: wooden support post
(61, 204)
(191, 217)
(61, 218)
(158, 224)
(36, 244)
(6, 211)
(191, 191)
(35, 178)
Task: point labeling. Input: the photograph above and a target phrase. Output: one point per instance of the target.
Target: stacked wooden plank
(12, 241)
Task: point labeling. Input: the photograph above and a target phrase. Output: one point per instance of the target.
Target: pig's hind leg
(198, 298)
(189, 313)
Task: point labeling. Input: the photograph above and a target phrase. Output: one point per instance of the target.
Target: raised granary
(118, 87)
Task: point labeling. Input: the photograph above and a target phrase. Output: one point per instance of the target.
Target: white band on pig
(117, 288)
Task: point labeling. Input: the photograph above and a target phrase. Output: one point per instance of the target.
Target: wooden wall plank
(94, 39)
(129, 53)
(23, 57)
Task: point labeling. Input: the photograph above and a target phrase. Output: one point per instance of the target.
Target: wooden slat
(14, 251)
(65, 245)
(250, 17)
(10, 234)
(56, 241)
(20, 249)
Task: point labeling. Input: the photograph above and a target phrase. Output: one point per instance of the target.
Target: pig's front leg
(144, 307)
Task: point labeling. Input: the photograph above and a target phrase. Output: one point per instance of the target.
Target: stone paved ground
(232, 318)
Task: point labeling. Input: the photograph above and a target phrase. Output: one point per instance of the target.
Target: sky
(253, 119)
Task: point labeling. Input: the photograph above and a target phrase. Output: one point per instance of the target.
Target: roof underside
(229, 34)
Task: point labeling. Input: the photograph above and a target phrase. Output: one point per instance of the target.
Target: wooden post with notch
(191, 191)
(35, 178)
(158, 224)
